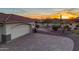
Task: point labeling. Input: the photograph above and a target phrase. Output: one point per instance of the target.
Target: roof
(77, 20)
(11, 18)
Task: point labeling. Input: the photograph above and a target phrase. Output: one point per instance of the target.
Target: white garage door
(19, 31)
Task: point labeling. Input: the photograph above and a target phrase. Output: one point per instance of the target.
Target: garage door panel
(19, 31)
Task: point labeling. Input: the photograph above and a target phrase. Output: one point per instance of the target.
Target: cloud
(34, 11)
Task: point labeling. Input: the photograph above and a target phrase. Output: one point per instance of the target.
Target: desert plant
(55, 27)
(76, 31)
(77, 25)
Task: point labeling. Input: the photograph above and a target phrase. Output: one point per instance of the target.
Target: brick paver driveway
(39, 42)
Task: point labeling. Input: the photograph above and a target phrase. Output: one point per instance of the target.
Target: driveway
(39, 42)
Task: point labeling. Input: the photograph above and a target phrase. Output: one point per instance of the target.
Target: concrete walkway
(39, 42)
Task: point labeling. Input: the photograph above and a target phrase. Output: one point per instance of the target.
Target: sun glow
(64, 15)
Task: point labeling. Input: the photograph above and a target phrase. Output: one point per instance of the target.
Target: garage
(13, 26)
(20, 30)
(17, 30)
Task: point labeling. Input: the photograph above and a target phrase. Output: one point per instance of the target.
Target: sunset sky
(37, 12)
(29, 11)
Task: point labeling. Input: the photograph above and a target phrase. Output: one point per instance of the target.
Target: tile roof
(77, 20)
(11, 18)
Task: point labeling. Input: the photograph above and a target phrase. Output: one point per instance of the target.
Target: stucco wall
(17, 30)
(0, 31)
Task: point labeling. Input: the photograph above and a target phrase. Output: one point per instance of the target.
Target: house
(77, 20)
(13, 26)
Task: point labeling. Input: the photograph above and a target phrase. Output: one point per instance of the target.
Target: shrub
(55, 27)
(76, 31)
(77, 25)
(66, 26)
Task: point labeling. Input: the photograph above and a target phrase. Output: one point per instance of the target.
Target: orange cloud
(38, 16)
(64, 15)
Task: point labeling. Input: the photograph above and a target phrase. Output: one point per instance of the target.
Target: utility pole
(60, 16)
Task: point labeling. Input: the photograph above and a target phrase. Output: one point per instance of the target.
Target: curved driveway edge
(40, 42)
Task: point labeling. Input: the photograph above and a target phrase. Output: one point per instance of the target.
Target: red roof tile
(11, 18)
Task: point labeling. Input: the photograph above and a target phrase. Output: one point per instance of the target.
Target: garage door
(19, 30)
